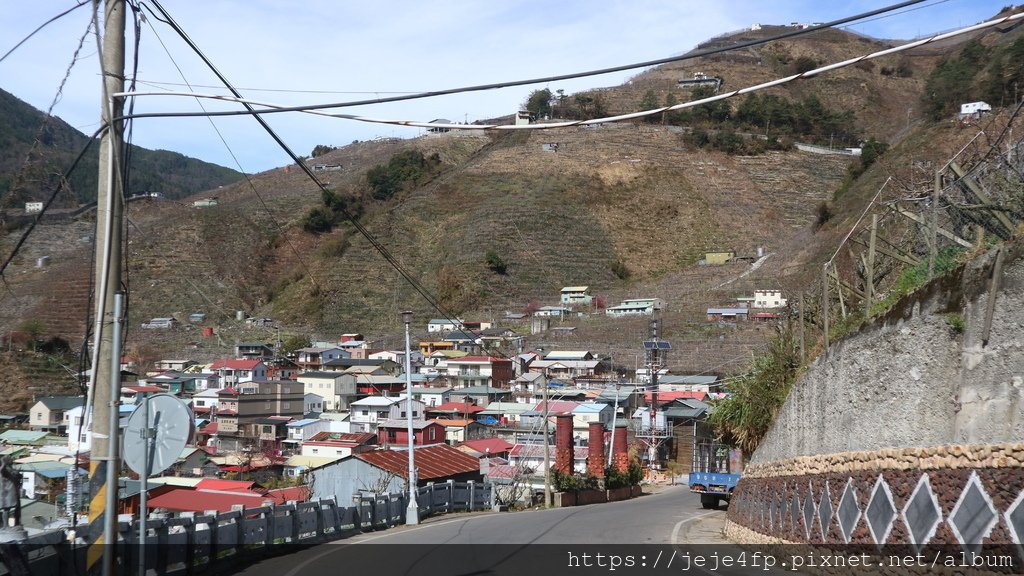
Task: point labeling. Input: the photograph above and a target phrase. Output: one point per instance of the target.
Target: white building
(769, 299)
(635, 307)
(576, 296)
(368, 412)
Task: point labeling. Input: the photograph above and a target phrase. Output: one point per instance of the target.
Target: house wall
(344, 479)
(917, 402)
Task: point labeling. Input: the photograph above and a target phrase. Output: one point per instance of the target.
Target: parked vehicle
(716, 471)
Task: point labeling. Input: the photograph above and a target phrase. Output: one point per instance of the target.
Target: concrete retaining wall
(917, 423)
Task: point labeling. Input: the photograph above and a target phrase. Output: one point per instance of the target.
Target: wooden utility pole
(933, 229)
(107, 281)
(869, 268)
(824, 309)
(803, 353)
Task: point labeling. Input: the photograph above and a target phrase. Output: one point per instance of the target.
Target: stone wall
(910, 431)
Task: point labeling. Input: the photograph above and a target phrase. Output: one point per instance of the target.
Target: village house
(398, 357)
(727, 314)
(568, 366)
(553, 311)
(696, 383)
(233, 372)
(464, 340)
(440, 325)
(482, 395)
(576, 296)
(386, 471)
(338, 444)
(460, 429)
(242, 411)
(480, 370)
(253, 351)
(312, 403)
(394, 433)
(297, 464)
(312, 359)
(368, 412)
(173, 365)
(48, 413)
(769, 299)
(635, 307)
(432, 396)
(336, 390)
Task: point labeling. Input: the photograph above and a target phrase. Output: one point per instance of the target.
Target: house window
(268, 429)
(39, 415)
(392, 436)
(403, 414)
(366, 412)
(287, 405)
(433, 433)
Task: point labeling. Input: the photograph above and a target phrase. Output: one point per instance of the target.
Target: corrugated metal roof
(184, 500)
(488, 445)
(434, 462)
(310, 461)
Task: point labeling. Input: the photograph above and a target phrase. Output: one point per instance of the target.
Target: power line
(43, 25)
(390, 258)
(317, 109)
(689, 56)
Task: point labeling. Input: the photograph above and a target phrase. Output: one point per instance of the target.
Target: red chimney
(564, 452)
(620, 450)
(595, 450)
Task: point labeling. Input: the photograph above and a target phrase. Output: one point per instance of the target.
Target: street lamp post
(412, 511)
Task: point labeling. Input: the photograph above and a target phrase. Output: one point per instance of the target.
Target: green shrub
(318, 220)
(495, 263)
(620, 270)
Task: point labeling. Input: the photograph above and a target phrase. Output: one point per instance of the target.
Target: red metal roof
(230, 485)
(459, 407)
(558, 406)
(210, 428)
(488, 445)
(284, 495)
(670, 396)
(185, 500)
(229, 390)
(346, 438)
(435, 462)
(453, 422)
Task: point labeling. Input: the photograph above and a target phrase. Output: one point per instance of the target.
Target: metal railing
(197, 543)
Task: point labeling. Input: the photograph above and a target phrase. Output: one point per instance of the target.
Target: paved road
(493, 543)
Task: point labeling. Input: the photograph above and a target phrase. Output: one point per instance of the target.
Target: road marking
(675, 531)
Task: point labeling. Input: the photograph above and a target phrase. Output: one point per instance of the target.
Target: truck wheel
(709, 501)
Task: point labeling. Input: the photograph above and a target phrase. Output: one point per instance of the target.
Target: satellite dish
(169, 421)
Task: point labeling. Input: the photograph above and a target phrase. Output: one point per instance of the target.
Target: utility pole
(547, 445)
(109, 223)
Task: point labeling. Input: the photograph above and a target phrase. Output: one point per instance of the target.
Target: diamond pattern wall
(922, 513)
(881, 512)
(973, 516)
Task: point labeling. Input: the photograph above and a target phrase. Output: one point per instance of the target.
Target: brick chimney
(620, 450)
(564, 452)
(595, 450)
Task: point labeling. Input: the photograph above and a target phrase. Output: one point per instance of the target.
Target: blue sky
(330, 51)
